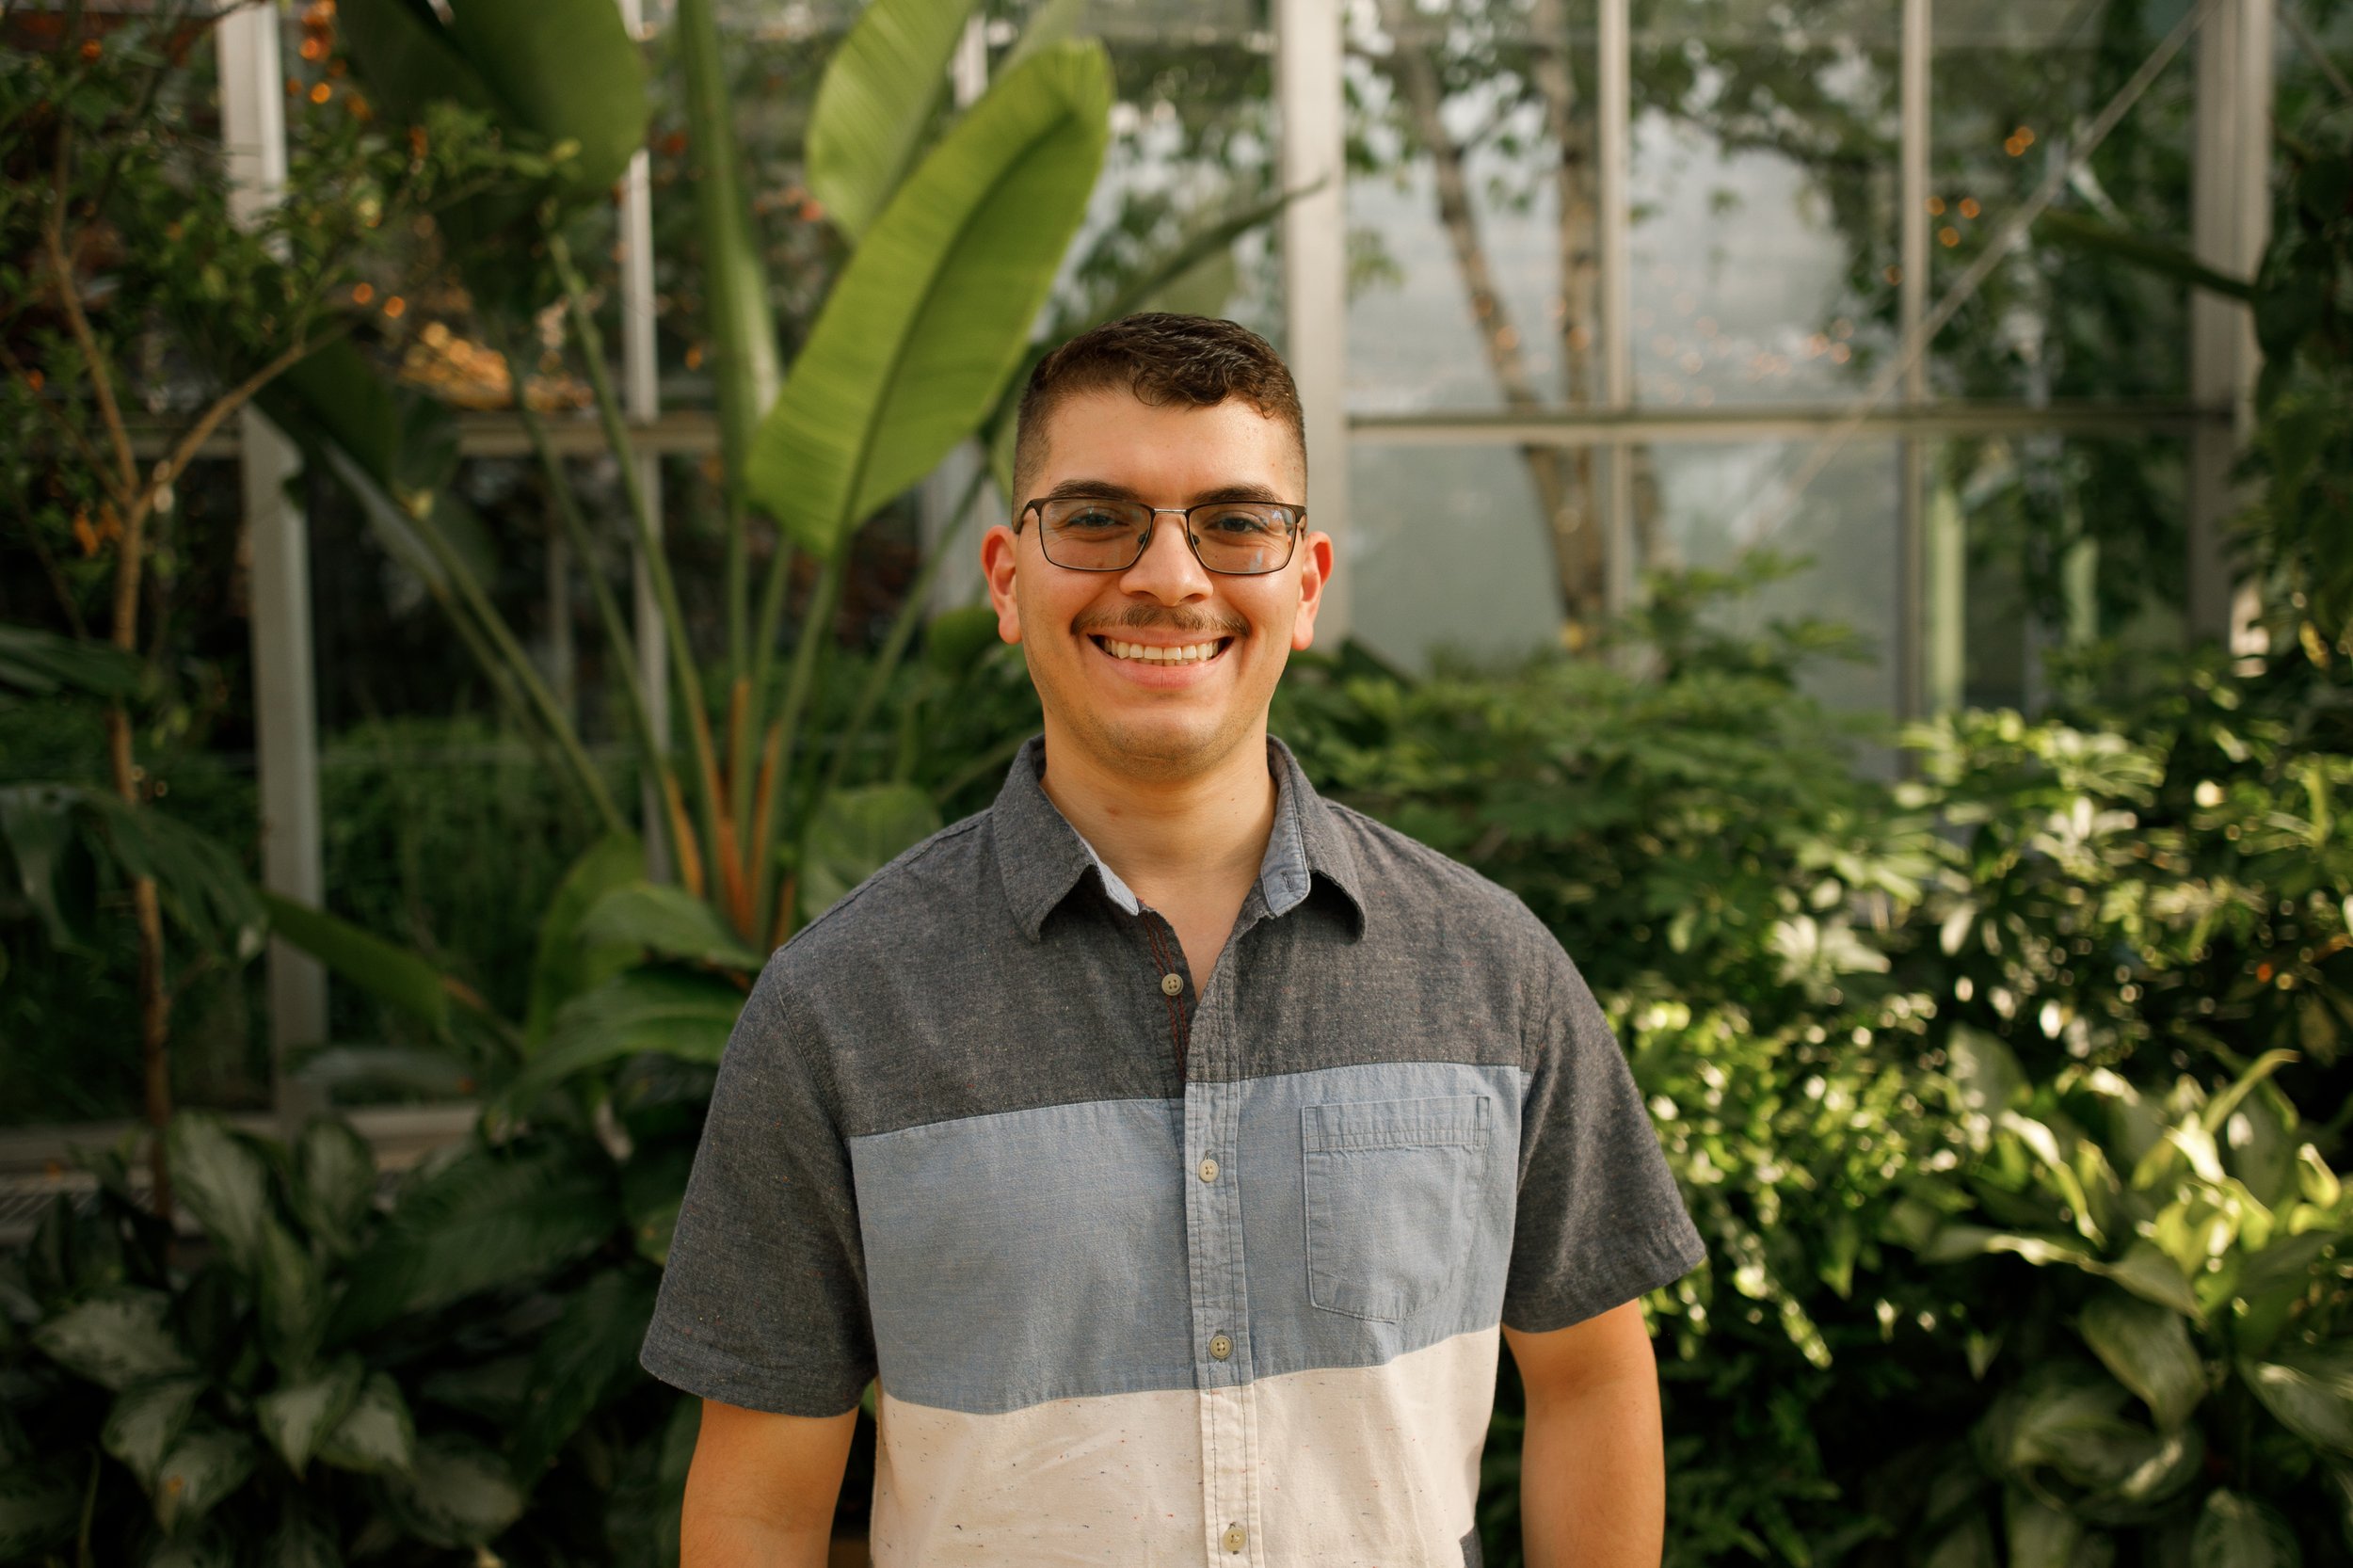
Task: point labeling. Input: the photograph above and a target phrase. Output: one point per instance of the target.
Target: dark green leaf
(335, 1190)
(590, 1353)
(458, 1494)
(652, 1187)
(389, 973)
(2148, 1348)
(146, 1421)
(2236, 1532)
(38, 1506)
(857, 833)
(563, 966)
(297, 1416)
(567, 70)
(225, 1185)
(486, 1220)
(671, 922)
(43, 663)
(115, 1340)
(684, 1016)
(203, 1467)
(955, 640)
(377, 1435)
(2311, 1391)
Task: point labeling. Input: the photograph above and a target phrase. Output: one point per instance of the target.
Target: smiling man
(1172, 1146)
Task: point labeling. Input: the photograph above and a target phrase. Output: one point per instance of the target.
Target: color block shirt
(1151, 1273)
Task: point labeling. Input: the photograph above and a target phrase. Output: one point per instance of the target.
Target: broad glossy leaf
(300, 1541)
(408, 58)
(955, 640)
(2260, 1139)
(297, 1418)
(857, 832)
(146, 1421)
(202, 1467)
(291, 1290)
(2042, 1536)
(224, 1184)
(876, 101)
(407, 439)
(37, 830)
(562, 968)
(740, 326)
(2236, 1532)
(671, 922)
(489, 1219)
(389, 973)
(377, 1435)
(929, 316)
(2273, 1281)
(1955, 1242)
(2148, 1348)
(335, 1190)
(685, 1015)
(587, 1355)
(458, 1494)
(116, 1339)
(203, 884)
(2310, 1391)
(569, 71)
(38, 1506)
(2148, 1273)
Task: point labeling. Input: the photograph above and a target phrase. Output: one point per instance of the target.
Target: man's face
(1080, 630)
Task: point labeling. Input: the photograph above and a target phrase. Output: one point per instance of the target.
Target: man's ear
(1000, 546)
(1315, 570)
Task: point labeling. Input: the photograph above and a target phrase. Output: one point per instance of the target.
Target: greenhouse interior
(1842, 507)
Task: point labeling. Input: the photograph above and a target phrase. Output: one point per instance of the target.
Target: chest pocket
(1388, 1185)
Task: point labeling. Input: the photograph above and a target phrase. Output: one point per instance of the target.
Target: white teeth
(1191, 653)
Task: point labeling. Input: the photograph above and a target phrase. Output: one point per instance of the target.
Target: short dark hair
(1162, 358)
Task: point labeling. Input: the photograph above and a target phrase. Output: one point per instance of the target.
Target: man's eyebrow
(1105, 490)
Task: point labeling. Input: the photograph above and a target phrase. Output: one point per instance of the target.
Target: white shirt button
(1220, 1347)
(1236, 1538)
(1209, 1169)
(1171, 985)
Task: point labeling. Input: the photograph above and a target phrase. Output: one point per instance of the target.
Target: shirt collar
(1041, 857)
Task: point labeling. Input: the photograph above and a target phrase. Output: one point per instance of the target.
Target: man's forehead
(1111, 436)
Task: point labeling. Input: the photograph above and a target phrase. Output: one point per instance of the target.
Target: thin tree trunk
(1563, 476)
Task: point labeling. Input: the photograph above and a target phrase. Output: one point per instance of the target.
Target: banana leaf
(873, 105)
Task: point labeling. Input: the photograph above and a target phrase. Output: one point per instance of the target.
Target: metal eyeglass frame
(1143, 542)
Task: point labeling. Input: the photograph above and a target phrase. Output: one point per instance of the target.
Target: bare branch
(101, 375)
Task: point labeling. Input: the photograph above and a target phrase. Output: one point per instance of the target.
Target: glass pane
(1710, 505)
(1447, 552)
(2014, 81)
(1470, 206)
(2065, 541)
(1763, 184)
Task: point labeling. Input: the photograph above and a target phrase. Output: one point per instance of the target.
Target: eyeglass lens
(1243, 538)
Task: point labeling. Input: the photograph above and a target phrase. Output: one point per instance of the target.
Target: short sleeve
(763, 1302)
(1600, 1221)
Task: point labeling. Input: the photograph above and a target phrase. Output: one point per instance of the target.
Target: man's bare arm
(761, 1488)
(1592, 1475)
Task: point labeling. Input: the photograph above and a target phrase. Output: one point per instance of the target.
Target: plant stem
(808, 656)
(652, 749)
(706, 784)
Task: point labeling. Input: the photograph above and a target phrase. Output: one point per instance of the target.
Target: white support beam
(1308, 84)
(1918, 595)
(1614, 103)
(641, 401)
(285, 702)
(2230, 196)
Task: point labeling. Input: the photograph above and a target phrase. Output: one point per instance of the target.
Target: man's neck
(1180, 843)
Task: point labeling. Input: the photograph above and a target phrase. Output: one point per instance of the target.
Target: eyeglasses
(1240, 539)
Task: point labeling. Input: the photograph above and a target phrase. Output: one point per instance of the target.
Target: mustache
(1160, 617)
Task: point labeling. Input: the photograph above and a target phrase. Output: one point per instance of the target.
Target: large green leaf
(37, 830)
(389, 973)
(562, 968)
(43, 663)
(297, 1416)
(2042, 1536)
(334, 1186)
(489, 1219)
(201, 881)
(406, 438)
(929, 316)
(2310, 1391)
(377, 1435)
(590, 1353)
(688, 1017)
(458, 1494)
(300, 1541)
(224, 1183)
(740, 328)
(2148, 1348)
(668, 921)
(291, 1290)
(2236, 1532)
(875, 102)
(116, 1339)
(859, 832)
(203, 1467)
(567, 70)
(408, 58)
(146, 1419)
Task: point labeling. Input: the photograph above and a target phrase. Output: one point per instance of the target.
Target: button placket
(1220, 1281)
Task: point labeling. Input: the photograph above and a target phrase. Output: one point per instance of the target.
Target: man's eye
(1237, 525)
(1094, 520)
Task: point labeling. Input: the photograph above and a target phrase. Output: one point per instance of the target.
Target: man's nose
(1168, 569)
